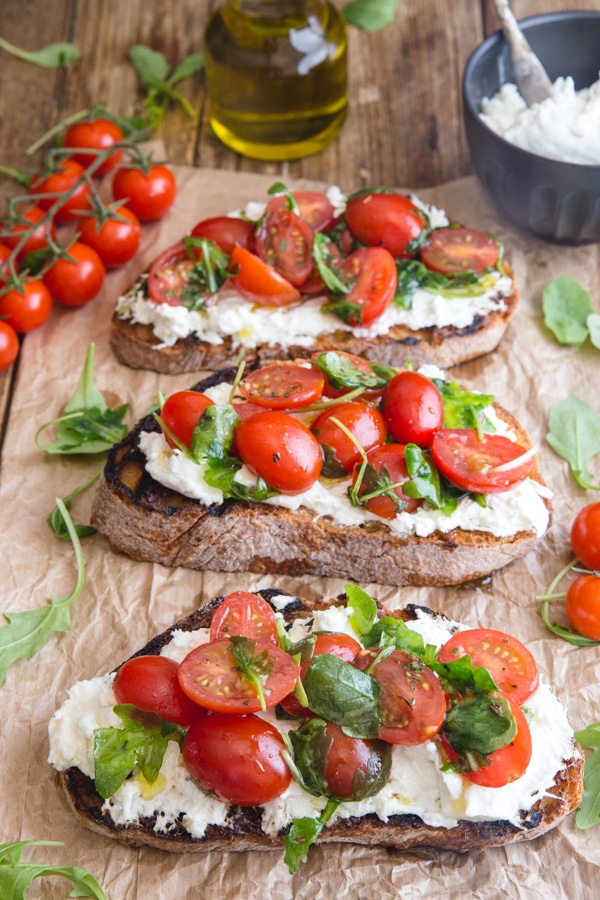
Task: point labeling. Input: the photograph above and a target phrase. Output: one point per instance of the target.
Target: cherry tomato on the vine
(150, 683)
(116, 240)
(582, 606)
(412, 407)
(371, 274)
(283, 386)
(9, 345)
(147, 194)
(285, 241)
(61, 179)
(76, 281)
(388, 458)
(227, 232)
(362, 420)
(181, 412)
(258, 282)
(281, 450)
(245, 614)
(237, 758)
(451, 250)
(97, 135)
(36, 239)
(471, 462)
(385, 220)
(28, 307)
(5, 272)
(585, 536)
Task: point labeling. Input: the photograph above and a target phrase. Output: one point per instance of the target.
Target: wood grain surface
(404, 126)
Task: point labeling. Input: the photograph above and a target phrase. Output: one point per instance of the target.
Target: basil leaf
(460, 676)
(413, 274)
(342, 694)
(53, 56)
(575, 436)
(16, 876)
(303, 834)
(220, 473)
(464, 409)
(342, 373)
(363, 606)
(390, 631)
(479, 725)
(370, 15)
(141, 743)
(351, 313)
(588, 813)
(566, 305)
(424, 477)
(212, 437)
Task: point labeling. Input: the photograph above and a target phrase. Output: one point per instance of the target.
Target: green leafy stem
(572, 637)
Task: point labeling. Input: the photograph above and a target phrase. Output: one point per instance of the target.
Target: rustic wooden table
(405, 119)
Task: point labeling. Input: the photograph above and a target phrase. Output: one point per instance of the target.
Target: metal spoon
(530, 76)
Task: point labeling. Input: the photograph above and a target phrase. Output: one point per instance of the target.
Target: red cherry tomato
(9, 345)
(283, 386)
(62, 178)
(227, 232)
(385, 220)
(245, 410)
(181, 412)
(388, 457)
(237, 758)
(314, 207)
(75, 283)
(281, 450)
(5, 272)
(150, 683)
(147, 194)
(585, 536)
(342, 645)
(509, 662)
(284, 241)
(363, 421)
(242, 613)
(37, 239)
(582, 605)
(469, 461)
(371, 272)
(98, 135)
(258, 282)
(412, 701)
(347, 761)
(116, 240)
(210, 676)
(169, 275)
(451, 250)
(508, 763)
(413, 409)
(28, 307)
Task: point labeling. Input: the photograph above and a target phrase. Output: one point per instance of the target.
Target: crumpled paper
(124, 603)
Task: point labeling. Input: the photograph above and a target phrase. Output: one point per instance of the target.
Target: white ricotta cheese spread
(566, 126)
(416, 784)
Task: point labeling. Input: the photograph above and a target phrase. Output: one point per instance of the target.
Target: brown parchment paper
(124, 603)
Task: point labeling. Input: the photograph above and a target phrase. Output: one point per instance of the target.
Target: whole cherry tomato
(413, 409)
(150, 683)
(585, 536)
(60, 179)
(227, 232)
(76, 280)
(9, 345)
(5, 272)
(281, 450)
(181, 412)
(147, 194)
(27, 307)
(385, 220)
(21, 222)
(362, 420)
(95, 136)
(116, 240)
(582, 605)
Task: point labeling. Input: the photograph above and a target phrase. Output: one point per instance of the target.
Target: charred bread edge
(149, 522)
(135, 345)
(401, 831)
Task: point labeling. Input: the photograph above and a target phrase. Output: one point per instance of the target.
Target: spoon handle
(530, 76)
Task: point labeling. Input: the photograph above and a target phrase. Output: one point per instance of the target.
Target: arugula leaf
(567, 306)
(376, 484)
(575, 436)
(208, 274)
(58, 524)
(341, 372)
(588, 813)
(303, 834)
(253, 667)
(27, 632)
(394, 633)
(86, 424)
(363, 606)
(370, 15)
(220, 473)
(341, 693)
(593, 324)
(351, 313)
(17, 876)
(464, 409)
(52, 56)
(141, 743)
(153, 71)
(460, 676)
(325, 264)
(413, 274)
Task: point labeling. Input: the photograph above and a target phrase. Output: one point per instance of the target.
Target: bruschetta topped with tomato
(378, 274)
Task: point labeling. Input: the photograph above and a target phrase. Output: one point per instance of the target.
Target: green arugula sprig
(574, 434)
(572, 637)
(52, 56)
(158, 80)
(253, 667)
(302, 835)
(413, 275)
(16, 875)
(569, 314)
(588, 813)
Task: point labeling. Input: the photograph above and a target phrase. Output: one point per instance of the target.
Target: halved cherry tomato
(98, 135)
(150, 683)
(412, 701)
(210, 676)
(227, 232)
(281, 450)
(359, 363)
(509, 662)
(413, 409)
(9, 345)
(181, 412)
(508, 763)
(385, 220)
(28, 307)
(258, 282)
(341, 645)
(452, 250)
(362, 420)
(585, 536)
(283, 386)
(389, 457)
(26, 218)
(169, 275)
(149, 194)
(314, 206)
(245, 614)
(314, 284)
(63, 177)
(237, 758)
(284, 241)
(371, 272)
(76, 280)
(582, 606)
(116, 240)
(469, 461)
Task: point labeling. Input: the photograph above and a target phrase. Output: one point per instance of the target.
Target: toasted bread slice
(243, 830)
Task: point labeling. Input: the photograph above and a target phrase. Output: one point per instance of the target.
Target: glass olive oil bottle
(276, 74)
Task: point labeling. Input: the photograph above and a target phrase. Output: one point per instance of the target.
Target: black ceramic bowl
(557, 201)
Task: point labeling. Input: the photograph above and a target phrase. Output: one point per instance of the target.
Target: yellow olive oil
(276, 74)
